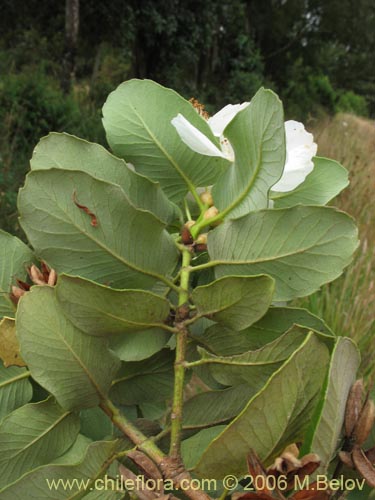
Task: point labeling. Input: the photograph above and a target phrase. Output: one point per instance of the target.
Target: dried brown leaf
(346, 459)
(145, 464)
(365, 422)
(364, 466)
(353, 406)
(142, 493)
(312, 493)
(9, 346)
(370, 454)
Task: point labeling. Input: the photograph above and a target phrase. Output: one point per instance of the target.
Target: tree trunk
(71, 37)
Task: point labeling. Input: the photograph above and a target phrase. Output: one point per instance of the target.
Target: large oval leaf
(254, 367)
(15, 388)
(277, 416)
(136, 346)
(325, 431)
(15, 256)
(34, 435)
(124, 248)
(224, 341)
(258, 138)
(235, 301)
(98, 310)
(71, 153)
(145, 381)
(76, 368)
(301, 247)
(45, 482)
(326, 181)
(137, 119)
(215, 407)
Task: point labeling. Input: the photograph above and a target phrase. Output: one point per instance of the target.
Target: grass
(348, 304)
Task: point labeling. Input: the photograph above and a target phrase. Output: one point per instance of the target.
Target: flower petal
(222, 118)
(194, 138)
(296, 135)
(300, 149)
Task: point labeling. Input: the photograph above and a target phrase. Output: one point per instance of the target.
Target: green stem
(128, 429)
(170, 467)
(184, 277)
(187, 211)
(179, 368)
(207, 265)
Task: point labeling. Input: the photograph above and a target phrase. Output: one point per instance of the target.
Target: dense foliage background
(59, 60)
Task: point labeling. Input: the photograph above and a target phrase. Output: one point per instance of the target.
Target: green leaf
(128, 248)
(324, 435)
(235, 301)
(277, 416)
(76, 452)
(192, 448)
(301, 247)
(139, 345)
(215, 407)
(15, 388)
(254, 367)
(147, 381)
(137, 119)
(257, 136)
(76, 368)
(325, 182)
(34, 435)
(67, 152)
(48, 481)
(224, 341)
(98, 310)
(15, 256)
(95, 424)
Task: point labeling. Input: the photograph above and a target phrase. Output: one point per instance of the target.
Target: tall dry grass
(348, 304)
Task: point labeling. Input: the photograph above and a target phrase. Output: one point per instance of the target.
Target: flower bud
(186, 236)
(202, 239)
(36, 275)
(210, 213)
(206, 198)
(201, 243)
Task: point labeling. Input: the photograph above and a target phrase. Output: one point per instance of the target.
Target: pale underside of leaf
(326, 430)
(235, 301)
(34, 485)
(15, 256)
(99, 310)
(257, 136)
(301, 247)
(277, 416)
(137, 118)
(76, 368)
(34, 435)
(15, 388)
(224, 341)
(68, 152)
(326, 181)
(127, 248)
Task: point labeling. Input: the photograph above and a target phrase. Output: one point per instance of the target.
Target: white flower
(300, 149)
(300, 145)
(199, 143)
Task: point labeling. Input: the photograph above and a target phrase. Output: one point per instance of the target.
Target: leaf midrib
(40, 436)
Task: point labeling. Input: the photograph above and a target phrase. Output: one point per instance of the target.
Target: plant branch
(130, 430)
(171, 467)
(179, 368)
